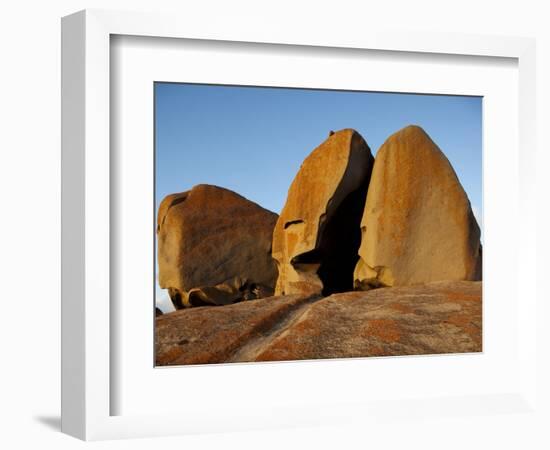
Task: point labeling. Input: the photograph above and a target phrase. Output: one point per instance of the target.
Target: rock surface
(216, 240)
(317, 235)
(443, 317)
(214, 335)
(417, 225)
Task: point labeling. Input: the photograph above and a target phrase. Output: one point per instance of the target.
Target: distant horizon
(252, 140)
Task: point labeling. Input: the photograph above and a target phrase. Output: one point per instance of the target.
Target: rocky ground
(441, 317)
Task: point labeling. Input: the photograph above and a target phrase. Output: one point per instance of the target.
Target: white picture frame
(87, 325)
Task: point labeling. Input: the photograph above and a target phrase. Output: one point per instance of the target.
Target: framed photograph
(267, 228)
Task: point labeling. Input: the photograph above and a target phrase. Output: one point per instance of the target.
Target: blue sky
(252, 140)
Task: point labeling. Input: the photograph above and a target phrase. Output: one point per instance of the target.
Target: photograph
(303, 224)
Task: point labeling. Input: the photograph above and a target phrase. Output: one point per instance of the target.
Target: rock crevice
(317, 236)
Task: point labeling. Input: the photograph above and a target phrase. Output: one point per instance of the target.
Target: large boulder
(218, 241)
(317, 235)
(442, 317)
(417, 225)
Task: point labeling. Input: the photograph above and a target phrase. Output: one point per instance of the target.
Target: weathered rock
(442, 317)
(317, 235)
(231, 291)
(417, 225)
(209, 237)
(214, 334)
(412, 320)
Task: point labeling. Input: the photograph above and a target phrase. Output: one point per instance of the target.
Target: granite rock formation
(402, 224)
(317, 235)
(215, 240)
(442, 317)
(417, 224)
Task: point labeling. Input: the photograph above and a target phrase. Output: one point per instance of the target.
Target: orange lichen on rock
(465, 323)
(383, 329)
(461, 297)
(401, 308)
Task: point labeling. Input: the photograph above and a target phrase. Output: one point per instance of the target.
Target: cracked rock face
(317, 235)
(214, 247)
(417, 225)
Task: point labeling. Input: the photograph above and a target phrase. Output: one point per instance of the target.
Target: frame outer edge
(96, 239)
(73, 82)
(85, 158)
(527, 107)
